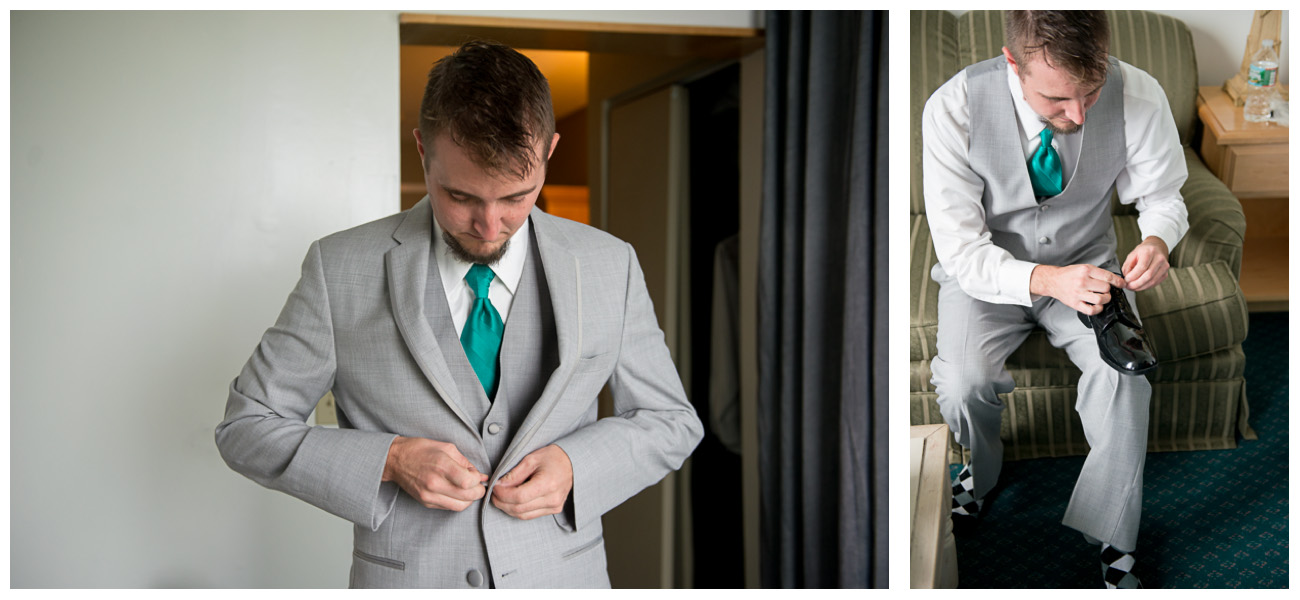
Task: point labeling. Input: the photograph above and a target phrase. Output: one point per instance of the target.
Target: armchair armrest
(1217, 225)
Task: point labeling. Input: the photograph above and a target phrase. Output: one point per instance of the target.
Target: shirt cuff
(1013, 281)
(1167, 234)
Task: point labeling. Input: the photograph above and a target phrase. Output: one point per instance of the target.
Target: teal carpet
(1211, 519)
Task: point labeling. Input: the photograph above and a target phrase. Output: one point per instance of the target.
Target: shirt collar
(508, 270)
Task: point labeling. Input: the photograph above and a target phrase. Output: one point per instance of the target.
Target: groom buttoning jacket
(460, 469)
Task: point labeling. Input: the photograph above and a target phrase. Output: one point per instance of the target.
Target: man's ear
(1015, 68)
(419, 144)
(555, 139)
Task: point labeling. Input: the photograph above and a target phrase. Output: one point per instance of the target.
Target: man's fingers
(525, 500)
(539, 485)
(1128, 263)
(512, 502)
(442, 494)
(1108, 277)
(452, 451)
(1141, 266)
(1150, 279)
(1140, 281)
(454, 489)
(525, 495)
(505, 493)
(437, 475)
(465, 478)
(518, 492)
(521, 473)
(1087, 308)
(1151, 276)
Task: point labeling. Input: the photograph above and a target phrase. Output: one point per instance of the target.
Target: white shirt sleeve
(953, 205)
(1156, 168)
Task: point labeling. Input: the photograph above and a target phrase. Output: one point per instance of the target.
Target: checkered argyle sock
(1117, 569)
(964, 503)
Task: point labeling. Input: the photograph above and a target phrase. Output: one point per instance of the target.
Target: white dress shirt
(1154, 172)
(501, 292)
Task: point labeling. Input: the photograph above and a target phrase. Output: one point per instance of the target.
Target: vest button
(494, 429)
(1042, 207)
(1043, 240)
(474, 578)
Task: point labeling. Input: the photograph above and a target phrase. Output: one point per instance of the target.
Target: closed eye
(1059, 99)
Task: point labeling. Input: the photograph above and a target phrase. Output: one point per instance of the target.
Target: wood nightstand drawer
(1255, 171)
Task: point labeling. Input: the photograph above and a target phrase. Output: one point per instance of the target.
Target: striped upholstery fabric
(1196, 319)
(934, 61)
(1040, 421)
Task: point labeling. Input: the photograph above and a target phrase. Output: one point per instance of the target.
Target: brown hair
(1075, 40)
(494, 103)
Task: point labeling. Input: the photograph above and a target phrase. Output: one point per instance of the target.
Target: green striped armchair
(1196, 319)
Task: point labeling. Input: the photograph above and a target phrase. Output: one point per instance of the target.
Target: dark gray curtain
(823, 274)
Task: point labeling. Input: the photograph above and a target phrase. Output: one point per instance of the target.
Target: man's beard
(465, 255)
(1073, 128)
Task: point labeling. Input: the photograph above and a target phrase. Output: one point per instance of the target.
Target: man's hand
(538, 486)
(1084, 288)
(435, 473)
(1147, 265)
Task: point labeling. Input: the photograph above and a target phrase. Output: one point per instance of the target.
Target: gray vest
(529, 354)
(1073, 227)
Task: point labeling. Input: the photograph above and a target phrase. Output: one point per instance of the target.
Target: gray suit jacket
(355, 324)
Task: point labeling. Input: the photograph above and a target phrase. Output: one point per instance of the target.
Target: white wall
(168, 171)
(1220, 40)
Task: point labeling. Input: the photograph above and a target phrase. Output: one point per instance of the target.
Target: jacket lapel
(408, 268)
(563, 278)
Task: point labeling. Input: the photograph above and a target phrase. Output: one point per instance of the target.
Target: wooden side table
(1252, 160)
(934, 551)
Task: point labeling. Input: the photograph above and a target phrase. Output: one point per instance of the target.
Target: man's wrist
(1158, 242)
(1038, 279)
(390, 463)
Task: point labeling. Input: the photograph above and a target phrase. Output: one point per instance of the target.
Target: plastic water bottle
(1262, 84)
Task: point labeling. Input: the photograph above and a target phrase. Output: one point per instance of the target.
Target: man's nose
(1075, 112)
(487, 222)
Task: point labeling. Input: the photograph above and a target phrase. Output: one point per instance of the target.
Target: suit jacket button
(1042, 240)
(494, 429)
(474, 578)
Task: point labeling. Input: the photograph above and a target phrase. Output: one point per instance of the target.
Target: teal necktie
(1045, 167)
(481, 336)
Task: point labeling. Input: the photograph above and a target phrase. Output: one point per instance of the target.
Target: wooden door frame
(589, 36)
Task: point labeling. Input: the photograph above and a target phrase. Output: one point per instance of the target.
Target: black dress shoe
(1120, 336)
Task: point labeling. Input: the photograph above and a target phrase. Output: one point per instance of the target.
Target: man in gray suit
(1017, 191)
(465, 341)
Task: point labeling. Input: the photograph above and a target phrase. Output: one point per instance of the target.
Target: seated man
(1017, 191)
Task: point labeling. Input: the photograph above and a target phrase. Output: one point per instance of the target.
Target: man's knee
(973, 384)
(1105, 393)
